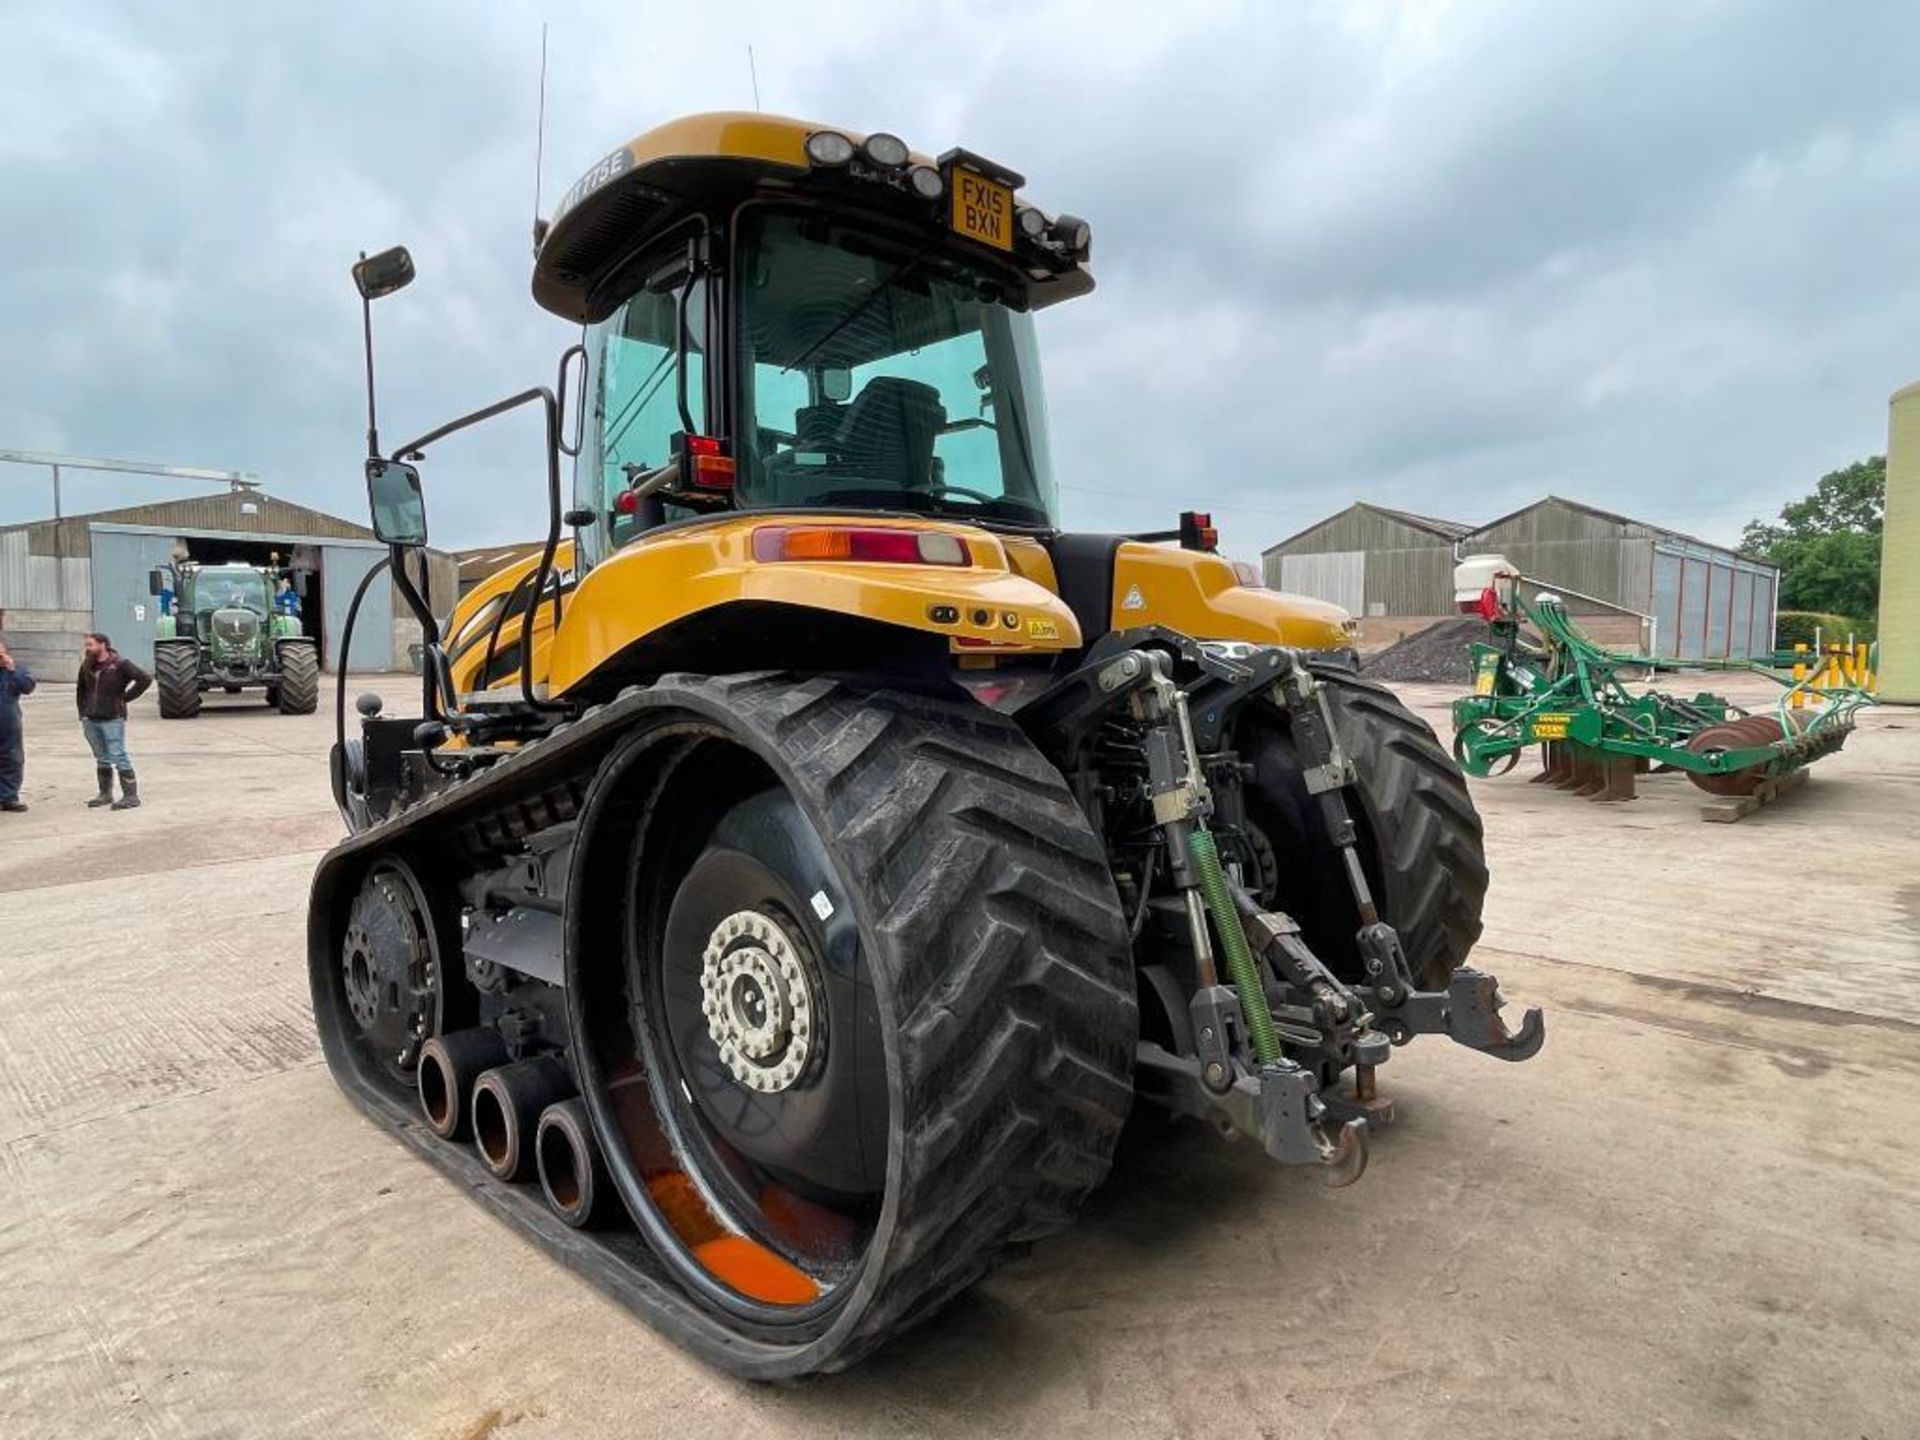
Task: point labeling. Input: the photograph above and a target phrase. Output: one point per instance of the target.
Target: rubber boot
(103, 775)
(129, 792)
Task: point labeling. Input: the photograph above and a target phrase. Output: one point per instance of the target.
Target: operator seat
(888, 431)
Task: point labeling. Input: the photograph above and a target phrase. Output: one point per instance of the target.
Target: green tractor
(231, 627)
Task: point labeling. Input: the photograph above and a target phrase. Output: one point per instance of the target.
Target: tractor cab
(782, 316)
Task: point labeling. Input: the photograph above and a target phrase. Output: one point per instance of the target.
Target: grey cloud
(1447, 258)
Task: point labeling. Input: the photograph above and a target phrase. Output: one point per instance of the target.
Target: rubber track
(994, 928)
(176, 676)
(994, 934)
(299, 689)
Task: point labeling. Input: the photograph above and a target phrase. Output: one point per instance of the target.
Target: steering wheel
(940, 487)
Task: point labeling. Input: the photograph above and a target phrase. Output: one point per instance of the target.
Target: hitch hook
(1473, 1019)
(1345, 1155)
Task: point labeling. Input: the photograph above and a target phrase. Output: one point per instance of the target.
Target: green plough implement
(1596, 732)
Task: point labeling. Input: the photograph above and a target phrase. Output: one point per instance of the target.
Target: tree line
(1827, 547)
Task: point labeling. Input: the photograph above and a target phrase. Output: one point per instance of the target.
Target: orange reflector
(756, 1271)
(817, 545)
(835, 542)
(712, 472)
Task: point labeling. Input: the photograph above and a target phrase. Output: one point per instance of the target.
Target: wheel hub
(362, 989)
(388, 974)
(758, 1001)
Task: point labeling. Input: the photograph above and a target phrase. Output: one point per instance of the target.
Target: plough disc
(1742, 734)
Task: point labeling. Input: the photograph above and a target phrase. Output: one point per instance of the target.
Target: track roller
(573, 1177)
(506, 1108)
(449, 1066)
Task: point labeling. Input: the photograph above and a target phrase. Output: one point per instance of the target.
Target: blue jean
(13, 756)
(108, 741)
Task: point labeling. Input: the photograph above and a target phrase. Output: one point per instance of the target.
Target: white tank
(1477, 574)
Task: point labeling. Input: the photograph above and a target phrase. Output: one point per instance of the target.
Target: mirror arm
(432, 687)
(499, 407)
(366, 323)
(550, 407)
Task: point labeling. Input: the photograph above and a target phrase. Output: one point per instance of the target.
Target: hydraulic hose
(1233, 940)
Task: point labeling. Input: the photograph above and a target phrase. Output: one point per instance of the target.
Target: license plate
(1550, 727)
(982, 210)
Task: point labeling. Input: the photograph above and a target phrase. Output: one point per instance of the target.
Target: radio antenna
(540, 141)
(754, 74)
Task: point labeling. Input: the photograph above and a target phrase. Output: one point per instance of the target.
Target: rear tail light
(843, 542)
(1197, 531)
(704, 463)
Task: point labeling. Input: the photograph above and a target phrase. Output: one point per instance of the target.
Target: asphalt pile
(1440, 654)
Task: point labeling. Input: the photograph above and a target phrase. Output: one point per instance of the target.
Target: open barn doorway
(303, 561)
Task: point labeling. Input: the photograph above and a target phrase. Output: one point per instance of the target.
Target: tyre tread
(1005, 951)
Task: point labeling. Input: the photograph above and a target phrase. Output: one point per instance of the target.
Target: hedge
(1797, 627)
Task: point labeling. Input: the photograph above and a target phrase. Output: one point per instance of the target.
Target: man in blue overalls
(14, 682)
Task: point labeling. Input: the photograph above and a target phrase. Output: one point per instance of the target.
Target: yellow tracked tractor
(804, 864)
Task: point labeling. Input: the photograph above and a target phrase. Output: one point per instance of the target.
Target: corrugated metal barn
(1632, 583)
(1371, 561)
(1704, 601)
(61, 578)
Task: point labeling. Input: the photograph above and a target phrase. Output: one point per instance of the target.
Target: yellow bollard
(1861, 675)
(1799, 699)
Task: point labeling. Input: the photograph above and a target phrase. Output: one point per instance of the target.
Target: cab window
(637, 404)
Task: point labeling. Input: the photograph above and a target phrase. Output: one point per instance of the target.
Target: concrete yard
(1697, 1213)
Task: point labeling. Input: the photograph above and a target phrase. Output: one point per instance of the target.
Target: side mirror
(300, 580)
(158, 581)
(399, 509)
(384, 273)
(836, 383)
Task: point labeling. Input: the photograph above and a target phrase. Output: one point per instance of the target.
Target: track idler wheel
(1743, 734)
(507, 1105)
(390, 968)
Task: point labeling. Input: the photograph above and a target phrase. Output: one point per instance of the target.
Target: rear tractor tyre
(1420, 836)
(879, 1016)
(298, 692)
(176, 678)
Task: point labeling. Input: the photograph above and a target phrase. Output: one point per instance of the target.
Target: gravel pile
(1439, 654)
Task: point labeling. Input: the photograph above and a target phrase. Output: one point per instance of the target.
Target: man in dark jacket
(108, 680)
(14, 682)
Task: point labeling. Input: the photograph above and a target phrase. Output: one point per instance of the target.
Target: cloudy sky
(1447, 257)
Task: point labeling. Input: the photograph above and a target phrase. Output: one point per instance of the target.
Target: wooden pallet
(1734, 807)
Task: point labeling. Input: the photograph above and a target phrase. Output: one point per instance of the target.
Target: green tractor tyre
(298, 692)
(176, 678)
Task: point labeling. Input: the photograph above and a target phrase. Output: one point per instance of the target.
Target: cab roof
(721, 157)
